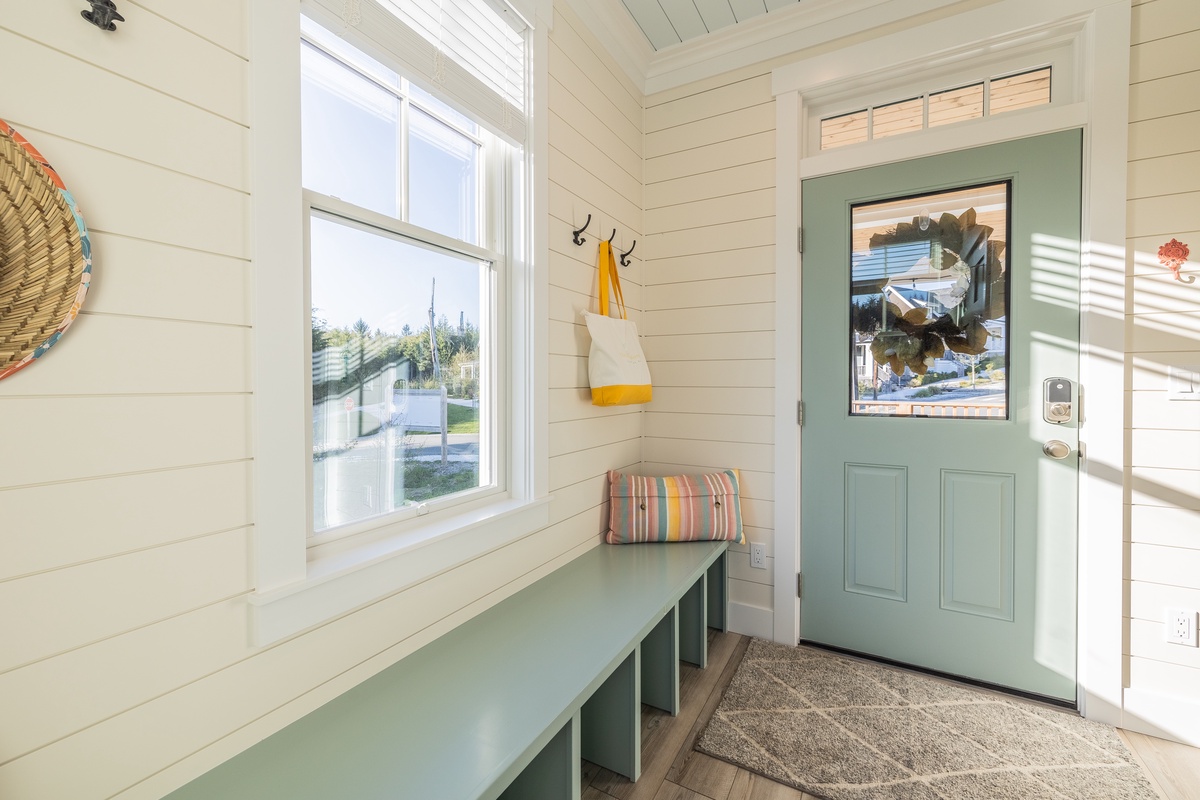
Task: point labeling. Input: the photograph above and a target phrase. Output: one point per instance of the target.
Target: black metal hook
(579, 239)
(614, 235)
(625, 255)
(103, 15)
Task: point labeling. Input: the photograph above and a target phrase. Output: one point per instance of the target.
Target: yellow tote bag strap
(608, 276)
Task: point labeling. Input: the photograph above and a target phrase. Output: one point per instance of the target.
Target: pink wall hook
(1173, 255)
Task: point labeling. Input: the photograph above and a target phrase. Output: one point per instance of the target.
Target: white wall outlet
(1181, 626)
(758, 555)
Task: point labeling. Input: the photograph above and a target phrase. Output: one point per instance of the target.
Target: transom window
(973, 101)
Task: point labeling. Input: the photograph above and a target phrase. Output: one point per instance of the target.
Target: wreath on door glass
(45, 254)
(963, 252)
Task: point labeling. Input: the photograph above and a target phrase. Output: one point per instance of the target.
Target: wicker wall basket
(45, 255)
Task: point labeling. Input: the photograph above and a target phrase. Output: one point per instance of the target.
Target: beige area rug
(845, 729)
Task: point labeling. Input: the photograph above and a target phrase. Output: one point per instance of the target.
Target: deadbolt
(1056, 449)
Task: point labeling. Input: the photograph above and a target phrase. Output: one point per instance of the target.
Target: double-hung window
(420, 359)
(406, 267)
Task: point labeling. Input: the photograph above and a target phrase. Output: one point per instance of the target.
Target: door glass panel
(929, 305)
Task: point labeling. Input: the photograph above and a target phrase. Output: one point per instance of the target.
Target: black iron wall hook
(614, 235)
(579, 240)
(625, 255)
(103, 15)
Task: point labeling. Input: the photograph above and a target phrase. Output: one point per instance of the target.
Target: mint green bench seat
(506, 704)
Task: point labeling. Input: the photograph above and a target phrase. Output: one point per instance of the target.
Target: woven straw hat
(45, 255)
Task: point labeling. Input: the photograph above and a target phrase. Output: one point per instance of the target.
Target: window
(393, 196)
(403, 295)
(973, 101)
(929, 305)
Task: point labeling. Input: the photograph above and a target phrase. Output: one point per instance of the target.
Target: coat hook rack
(625, 255)
(579, 240)
(103, 15)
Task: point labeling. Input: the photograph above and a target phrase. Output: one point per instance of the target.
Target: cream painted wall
(709, 324)
(125, 520)
(1164, 330)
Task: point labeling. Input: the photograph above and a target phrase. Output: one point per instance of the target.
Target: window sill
(338, 583)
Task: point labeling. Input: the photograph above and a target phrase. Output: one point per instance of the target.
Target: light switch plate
(1183, 382)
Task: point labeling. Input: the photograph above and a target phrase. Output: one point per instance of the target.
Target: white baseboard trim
(1163, 715)
(751, 620)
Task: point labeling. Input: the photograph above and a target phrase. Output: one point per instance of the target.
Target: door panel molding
(978, 535)
(877, 531)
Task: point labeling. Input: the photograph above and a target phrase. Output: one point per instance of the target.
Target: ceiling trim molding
(616, 31)
(777, 34)
(768, 36)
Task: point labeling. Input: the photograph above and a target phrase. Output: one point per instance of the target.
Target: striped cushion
(680, 508)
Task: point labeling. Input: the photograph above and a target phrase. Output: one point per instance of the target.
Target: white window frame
(297, 586)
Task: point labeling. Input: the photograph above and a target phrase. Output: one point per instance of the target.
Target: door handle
(1056, 449)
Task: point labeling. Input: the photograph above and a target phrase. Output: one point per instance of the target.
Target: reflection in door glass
(929, 305)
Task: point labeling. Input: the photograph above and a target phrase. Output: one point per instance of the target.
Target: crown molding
(808, 24)
(616, 31)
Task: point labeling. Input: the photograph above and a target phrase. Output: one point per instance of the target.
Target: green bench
(508, 703)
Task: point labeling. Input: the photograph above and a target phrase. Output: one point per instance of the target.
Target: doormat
(844, 729)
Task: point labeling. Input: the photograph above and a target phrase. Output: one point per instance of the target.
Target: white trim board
(768, 36)
(1099, 35)
(750, 620)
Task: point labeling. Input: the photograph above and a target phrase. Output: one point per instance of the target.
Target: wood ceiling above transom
(668, 22)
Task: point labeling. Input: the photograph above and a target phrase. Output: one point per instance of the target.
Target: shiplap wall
(1164, 203)
(125, 519)
(710, 305)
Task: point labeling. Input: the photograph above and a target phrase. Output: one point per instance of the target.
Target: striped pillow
(680, 508)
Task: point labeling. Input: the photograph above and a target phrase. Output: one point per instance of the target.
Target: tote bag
(617, 368)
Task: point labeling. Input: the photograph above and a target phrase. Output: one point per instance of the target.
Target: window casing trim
(295, 587)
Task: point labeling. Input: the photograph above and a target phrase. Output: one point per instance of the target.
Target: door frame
(1098, 35)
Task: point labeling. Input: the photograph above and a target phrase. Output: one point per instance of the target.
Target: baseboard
(1163, 715)
(751, 620)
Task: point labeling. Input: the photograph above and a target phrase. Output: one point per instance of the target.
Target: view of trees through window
(400, 313)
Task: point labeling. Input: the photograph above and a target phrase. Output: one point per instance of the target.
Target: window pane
(443, 190)
(929, 306)
(1020, 91)
(428, 101)
(846, 129)
(956, 105)
(902, 117)
(396, 421)
(351, 134)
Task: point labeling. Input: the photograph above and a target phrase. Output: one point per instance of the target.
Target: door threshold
(978, 684)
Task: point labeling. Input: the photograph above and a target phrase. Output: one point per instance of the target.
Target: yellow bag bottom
(621, 395)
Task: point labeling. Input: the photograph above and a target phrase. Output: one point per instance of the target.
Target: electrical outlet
(1181, 626)
(758, 555)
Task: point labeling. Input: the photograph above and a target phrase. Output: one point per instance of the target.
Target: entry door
(940, 312)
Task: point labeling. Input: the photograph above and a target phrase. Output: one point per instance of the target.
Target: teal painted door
(939, 297)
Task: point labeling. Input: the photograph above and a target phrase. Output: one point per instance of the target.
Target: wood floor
(671, 770)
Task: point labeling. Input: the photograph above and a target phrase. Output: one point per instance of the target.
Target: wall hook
(103, 15)
(579, 239)
(625, 255)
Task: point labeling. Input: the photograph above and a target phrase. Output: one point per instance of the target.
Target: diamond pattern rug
(844, 729)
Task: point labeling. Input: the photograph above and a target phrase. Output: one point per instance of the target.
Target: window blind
(464, 51)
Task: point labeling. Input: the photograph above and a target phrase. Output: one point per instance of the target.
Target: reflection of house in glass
(928, 305)
(359, 405)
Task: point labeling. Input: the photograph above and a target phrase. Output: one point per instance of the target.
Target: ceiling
(670, 22)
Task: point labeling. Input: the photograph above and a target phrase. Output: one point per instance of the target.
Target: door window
(929, 305)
